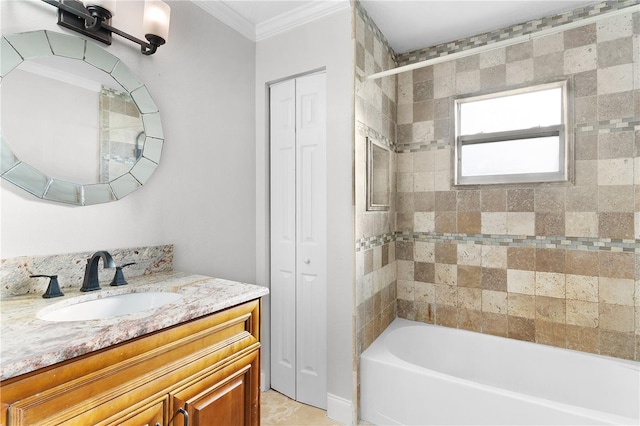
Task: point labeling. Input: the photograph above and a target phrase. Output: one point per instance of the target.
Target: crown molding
(276, 25)
(298, 16)
(228, 16)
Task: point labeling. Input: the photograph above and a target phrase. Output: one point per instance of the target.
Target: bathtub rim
(377, 352)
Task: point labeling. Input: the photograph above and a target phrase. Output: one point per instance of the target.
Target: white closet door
(298, 239)
(283, 238)
(311, 263)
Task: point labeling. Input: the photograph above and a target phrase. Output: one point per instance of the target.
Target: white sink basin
(108, 307)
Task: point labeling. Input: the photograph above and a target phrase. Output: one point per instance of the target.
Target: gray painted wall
(202, 197)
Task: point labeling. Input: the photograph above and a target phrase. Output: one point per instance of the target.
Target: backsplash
(15, 272)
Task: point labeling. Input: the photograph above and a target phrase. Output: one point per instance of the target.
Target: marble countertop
(28, 343)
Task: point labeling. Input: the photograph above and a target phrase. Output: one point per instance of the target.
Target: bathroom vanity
(195, 361)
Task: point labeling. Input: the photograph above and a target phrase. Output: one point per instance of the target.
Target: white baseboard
(263, 382)
(339, 409)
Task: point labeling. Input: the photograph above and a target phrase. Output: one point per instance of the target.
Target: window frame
(560, 130)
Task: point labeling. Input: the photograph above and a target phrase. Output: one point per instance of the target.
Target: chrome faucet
(90, 282)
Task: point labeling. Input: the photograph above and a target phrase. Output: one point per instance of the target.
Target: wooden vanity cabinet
(208, 368)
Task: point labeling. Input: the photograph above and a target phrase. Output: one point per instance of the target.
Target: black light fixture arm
(96, 19)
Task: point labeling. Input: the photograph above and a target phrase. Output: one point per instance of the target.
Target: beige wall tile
(494, 223)
(404, 162)
(616, 264)
(424, 292)
(581, 262)
(446, 274)
(615, 79)
(616, 291)
(468, 82)
(613, 28)
(584, 339)
(615, 225)
(424, 272)
(442, 180)
(424, 221)
(405, 113)
(424, 252)
(582, 287)
(470, 298)
(521, 223)
(520, 72)
(580, 59)
(406, 290)
(551, 333)
(405, 270)
(521, 305)
(469, 276)
(404, 182)
(493, 200)
(446, 295)
(522, 329)
(520, 281)
(494, 301)
(550, 224)
(492, 58)
(405, 94)
(470, 254)
(550, 284)
(424, 161)
(494, 257)
(616, 317)
(551, 309)
(581, 313)
(616, 198)
(495, 324)
(581, 224)
(470, 319)
(521, 258)
(617, 344)
(548, 44)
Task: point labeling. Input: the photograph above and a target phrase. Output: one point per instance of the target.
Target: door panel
(311, 241)
(283, 238)
(298, 239)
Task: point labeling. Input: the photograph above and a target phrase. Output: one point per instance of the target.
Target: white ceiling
(407, 24)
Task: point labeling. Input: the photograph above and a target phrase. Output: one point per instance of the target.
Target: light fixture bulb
(157, 15)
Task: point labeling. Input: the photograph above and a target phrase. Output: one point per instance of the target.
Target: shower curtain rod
(504, 43)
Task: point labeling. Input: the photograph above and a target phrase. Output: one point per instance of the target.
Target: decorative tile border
(421, 146)
(366, 131)
(525, 28)
(367, 243)
(553, 242)
(628, 124)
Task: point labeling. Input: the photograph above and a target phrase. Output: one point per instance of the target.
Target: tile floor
(279, 410)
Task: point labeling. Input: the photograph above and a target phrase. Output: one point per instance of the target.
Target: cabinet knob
(307, 260)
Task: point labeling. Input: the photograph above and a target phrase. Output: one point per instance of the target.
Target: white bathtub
(421, 374)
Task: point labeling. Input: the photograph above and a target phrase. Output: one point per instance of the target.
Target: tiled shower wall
(375, 242)
(553, 264)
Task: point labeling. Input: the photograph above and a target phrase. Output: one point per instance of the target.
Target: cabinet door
(227, 397)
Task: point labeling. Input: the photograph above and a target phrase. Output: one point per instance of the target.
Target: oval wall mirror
(77, 126)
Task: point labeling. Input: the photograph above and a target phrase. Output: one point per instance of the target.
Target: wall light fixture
(93, 19)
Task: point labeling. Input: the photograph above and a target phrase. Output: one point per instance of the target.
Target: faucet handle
(53, 289)
(118, 278)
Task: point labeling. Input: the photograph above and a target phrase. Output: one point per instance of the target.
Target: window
(513, 136)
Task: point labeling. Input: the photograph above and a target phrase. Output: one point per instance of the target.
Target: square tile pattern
(553, 264)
